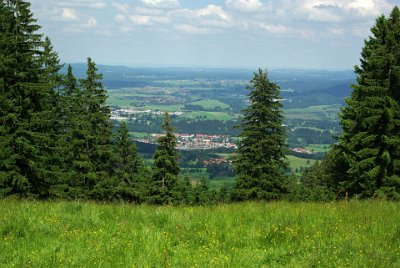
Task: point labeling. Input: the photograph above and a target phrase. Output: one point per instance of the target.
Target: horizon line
(189, 66)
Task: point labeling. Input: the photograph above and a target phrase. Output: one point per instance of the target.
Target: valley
(206, 106)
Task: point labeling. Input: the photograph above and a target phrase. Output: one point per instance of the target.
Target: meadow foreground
(278, 234)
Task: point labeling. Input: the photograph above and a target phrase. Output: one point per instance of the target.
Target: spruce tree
(72, 141)
(260, 160)
(166, 168)
(52, 79)
(91, 137)
(183, 192)
(25, 104)
(371, 119)
(202, 192)
(128, 168)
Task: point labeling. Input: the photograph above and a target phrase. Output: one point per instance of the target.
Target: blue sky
(312, 34)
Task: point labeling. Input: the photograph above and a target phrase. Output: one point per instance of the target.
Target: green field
(139, 135)
(277, 234)
(222, 181)
(211, 104)
(319, 112)
(121, 102)
(195, 173)
(164, 108)
(318, 148)
(210, 115)
(297, 162)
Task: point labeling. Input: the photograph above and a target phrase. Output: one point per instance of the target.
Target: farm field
(318, 112)
(211, 104)
(210, 115)
(318, 148)
(297, 162)
(277, 234)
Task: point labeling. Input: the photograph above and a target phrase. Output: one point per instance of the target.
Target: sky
(305, 34)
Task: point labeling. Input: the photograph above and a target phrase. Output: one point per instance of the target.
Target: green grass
(221, 181)
(278, 234)
(318, 148)
(164, 108)
(123, 103)
(210, 115)
(139, 135)
(297, 162)
(196, 173)
(211, 104)
(125, 94)
(319, 112)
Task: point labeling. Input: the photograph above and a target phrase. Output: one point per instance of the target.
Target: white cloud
(161, 3)
(244, 5)
(123, 8)
(190, 29)
(341, 10)
(145, 20)
(98, 5)
(69, 14)
(211, 15)
(322, 11)
(213, 11)
(89, 23)
(288, 31)
(307, 19)
(275, 28)
(148, 11)
(370, 8)
(140, 20)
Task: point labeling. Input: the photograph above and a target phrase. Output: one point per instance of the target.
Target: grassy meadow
(318, 112)
(297, 162)
(277, 234)
(211, 104)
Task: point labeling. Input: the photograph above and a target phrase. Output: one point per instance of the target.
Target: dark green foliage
(260, 161)
(222, 169)
(224, 194)
(311, 187)
(166, 168)
(129, 172)
(91, 139)
(26, 104)
(72, 138)
(183, 192)
(371, 120)
(202, 193)
(53, 81)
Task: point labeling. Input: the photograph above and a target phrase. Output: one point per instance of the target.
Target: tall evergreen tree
(98, 115)
(25, 104)
(72, 141)
(90, 134)
(52, 79)
(260, 160)
(166, 168)
(128, 169)
(371, 119)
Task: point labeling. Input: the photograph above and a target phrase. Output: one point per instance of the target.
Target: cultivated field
(278, 234)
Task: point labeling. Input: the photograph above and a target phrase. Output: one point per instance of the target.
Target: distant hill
(302, 87)
(341, 90)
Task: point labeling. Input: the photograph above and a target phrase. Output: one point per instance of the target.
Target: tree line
(57, 139)
(56, 135)
(365, 161)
